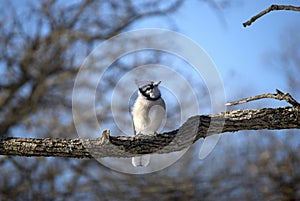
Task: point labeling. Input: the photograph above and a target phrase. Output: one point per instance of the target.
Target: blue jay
(148, 114)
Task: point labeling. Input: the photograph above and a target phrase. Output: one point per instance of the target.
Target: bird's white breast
(148, 115)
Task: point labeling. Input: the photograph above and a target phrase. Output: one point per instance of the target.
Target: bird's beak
(156, 83)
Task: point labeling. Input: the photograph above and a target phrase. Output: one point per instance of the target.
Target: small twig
(271, 8)
(278, 96)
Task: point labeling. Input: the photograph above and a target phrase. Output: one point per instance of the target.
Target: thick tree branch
(271, 8)
(127, 146)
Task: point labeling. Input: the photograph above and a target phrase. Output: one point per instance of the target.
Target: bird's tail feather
(141, 161)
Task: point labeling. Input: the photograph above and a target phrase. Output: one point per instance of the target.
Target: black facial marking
(144, 90)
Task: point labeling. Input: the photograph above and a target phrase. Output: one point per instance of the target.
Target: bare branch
(271, 8)
(127, 146)
(278, 96)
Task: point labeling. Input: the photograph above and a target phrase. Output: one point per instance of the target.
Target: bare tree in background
(42, 46)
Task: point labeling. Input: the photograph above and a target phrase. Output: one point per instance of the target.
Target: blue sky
(238, 52)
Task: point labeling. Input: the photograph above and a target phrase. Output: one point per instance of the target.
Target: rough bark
(127, 146)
